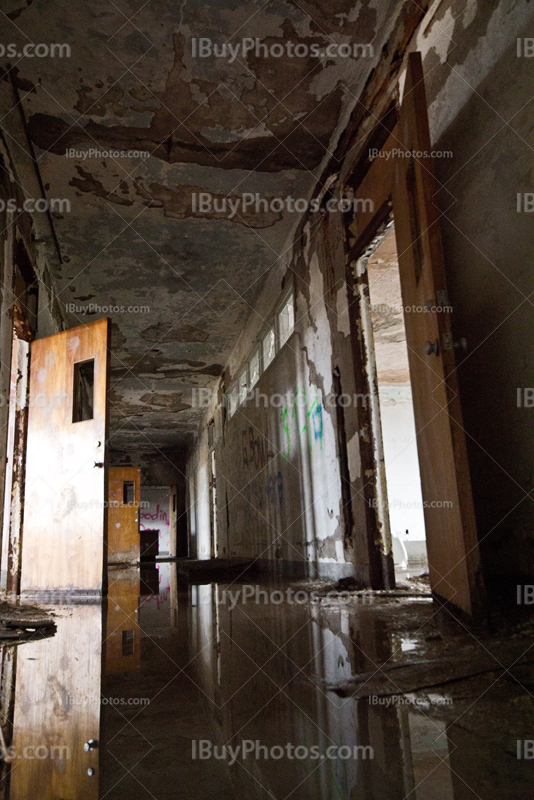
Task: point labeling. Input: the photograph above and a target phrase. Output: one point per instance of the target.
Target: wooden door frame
(375, 179)
(23, 319)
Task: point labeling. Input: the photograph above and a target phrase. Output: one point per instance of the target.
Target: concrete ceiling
(131, 238)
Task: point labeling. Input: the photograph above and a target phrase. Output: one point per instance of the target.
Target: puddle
(222, 691)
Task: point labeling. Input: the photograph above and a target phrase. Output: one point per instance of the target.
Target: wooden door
(452, 545)
(64, 515)
(124, 503)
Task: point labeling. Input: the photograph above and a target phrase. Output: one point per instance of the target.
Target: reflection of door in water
(63, 541)
(57, 709)
(124, 491)
(123, 636)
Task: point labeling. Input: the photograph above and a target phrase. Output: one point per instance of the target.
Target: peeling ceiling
(132, 237)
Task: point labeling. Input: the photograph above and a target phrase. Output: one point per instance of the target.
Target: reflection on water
(57, 709)
(129, 699)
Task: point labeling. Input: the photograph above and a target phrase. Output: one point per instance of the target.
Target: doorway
(392, 411)
(380, 185)
(213, 507)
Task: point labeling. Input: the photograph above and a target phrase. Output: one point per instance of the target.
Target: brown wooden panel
(57, 706)
(372, 197)
(451, 531)
(123, 516)
(64, 520)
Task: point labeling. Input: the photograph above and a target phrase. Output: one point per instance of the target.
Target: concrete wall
(280, 470)
(405, 502)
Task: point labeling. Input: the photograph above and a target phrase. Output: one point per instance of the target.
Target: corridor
(266, 447)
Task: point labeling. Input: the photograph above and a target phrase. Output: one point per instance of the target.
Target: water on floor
(241, 690)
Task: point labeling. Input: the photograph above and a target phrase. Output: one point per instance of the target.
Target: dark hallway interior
(265, 400)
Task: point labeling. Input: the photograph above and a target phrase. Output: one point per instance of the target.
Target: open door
(453, 554)
(403, 186)
(64, 516)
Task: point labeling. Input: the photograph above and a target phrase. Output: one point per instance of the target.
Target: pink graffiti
(158, 515)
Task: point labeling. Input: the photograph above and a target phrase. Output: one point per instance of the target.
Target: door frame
(377, 179)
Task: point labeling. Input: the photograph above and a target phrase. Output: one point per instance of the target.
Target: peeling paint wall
(478, 96)
(279, 484)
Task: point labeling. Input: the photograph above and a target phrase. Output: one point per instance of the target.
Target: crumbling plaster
(131, 239)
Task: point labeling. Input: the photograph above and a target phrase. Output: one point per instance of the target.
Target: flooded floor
(249, 690)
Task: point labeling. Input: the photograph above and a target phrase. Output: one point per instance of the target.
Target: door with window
(124, 493)
(64, 515)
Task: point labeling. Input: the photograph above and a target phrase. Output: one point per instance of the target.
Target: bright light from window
(242, 387)
(254, 368)
(231, 400)
(268, 348)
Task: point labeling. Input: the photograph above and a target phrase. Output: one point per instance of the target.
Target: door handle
(99, 464)
(91, 744)
(448, 344)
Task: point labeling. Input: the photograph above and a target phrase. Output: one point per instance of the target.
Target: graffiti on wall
(255, 452)
(256, 456)
(313, 424)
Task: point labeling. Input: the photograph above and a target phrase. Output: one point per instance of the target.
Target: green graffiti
(314, 422)
(286, 430)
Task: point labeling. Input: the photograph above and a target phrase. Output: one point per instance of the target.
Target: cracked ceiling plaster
(260, 125)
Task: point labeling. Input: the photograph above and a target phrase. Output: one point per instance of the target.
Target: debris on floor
(20, 624)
